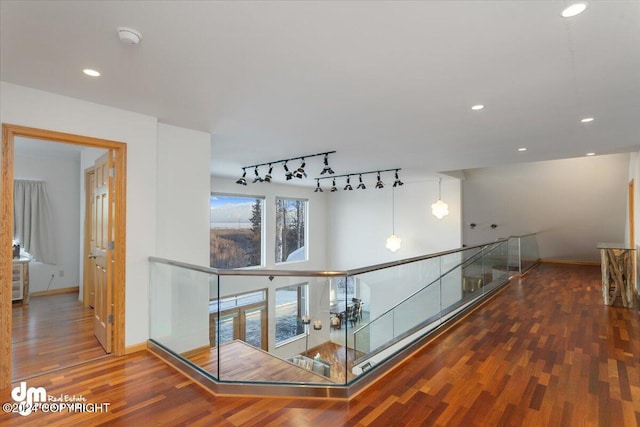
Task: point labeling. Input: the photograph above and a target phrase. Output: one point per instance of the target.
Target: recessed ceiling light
(573, 10)
(522, 149)
(587, 120)
(90, 72)
(591, 154)
(477, 107)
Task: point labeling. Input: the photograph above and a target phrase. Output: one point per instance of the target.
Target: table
(617, 273)
(339, 306)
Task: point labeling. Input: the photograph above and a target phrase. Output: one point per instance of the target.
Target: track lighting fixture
(361, 186)
(333, 186)
(287, 174)
(257, 178)
(327, 168)
(299, 173)
(267, 177)
(243, 180)
(318, 189)
(397, 182)
(348, 186)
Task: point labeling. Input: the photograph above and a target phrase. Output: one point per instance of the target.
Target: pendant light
(440, 209)
(393, 242)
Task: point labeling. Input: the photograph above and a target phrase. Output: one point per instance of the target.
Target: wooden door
(88, 277)
(103, 253)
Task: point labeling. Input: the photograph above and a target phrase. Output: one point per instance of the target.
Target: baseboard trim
(187, 354)
(71, 290)
(135, 348)
(561, 261)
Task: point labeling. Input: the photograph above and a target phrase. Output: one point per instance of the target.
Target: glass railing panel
(463, 277)
(386, 288)
(455, 269)
(497, 265)
(281, 329)
(529, 255)
(179, 309)
(313, 328)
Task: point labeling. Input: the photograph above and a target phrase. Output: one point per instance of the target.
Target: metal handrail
(467, 261)
(314, 273)
(523, 235)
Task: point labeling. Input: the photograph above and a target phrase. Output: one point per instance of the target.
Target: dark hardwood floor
(543, 352)
(51, 332)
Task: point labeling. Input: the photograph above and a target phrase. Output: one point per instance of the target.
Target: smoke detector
(129, 35)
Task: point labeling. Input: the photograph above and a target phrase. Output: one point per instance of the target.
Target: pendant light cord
(393, 211)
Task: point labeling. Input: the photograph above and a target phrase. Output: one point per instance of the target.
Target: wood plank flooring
(51, 332)
(240, 361)
(543, 352)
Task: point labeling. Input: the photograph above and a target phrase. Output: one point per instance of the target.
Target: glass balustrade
(446, 285)
(326, 329)
(523, 252)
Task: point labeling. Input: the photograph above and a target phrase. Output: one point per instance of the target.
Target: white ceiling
(386, 84)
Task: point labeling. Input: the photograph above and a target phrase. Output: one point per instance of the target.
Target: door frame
(631, 204)
(9, 132)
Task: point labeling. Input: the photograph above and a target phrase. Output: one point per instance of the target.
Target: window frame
(305, 231)
(239, 314)
(263, 200)
(302, 310)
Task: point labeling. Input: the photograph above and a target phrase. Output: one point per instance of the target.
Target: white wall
(571, 204)
(182, 216)
(30, 107)
(183, 190)
(61, 177)
(361, 220)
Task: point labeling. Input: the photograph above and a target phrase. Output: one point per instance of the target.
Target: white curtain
(33, 220)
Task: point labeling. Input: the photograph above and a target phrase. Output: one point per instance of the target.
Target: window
(235, 231)
(291, 305)
(291, 231)
(242, 317)
(343, 289)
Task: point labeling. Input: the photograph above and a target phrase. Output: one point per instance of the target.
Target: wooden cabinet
(20, 281)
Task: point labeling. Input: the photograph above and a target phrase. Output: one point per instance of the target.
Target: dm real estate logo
(28, 397)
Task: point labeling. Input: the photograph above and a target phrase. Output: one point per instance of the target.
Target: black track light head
(361, 186)
(318, 189)
(348, 187)
(397, 182)
(243, 180)
(287, 174)
(267, 177)
(327, 168)
(379, 184)
(300, 173)
(257, 178)
(333, 186)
